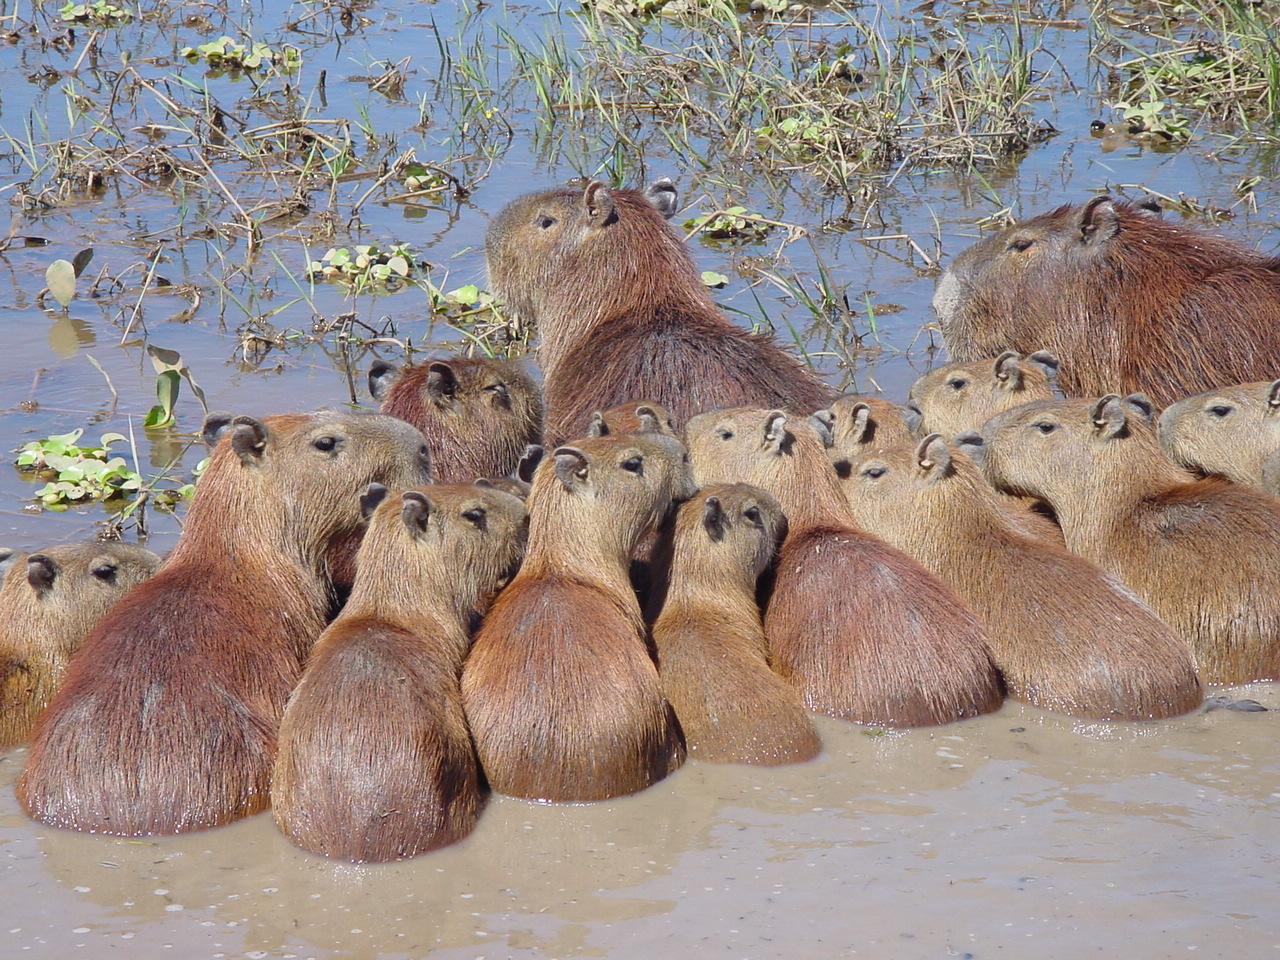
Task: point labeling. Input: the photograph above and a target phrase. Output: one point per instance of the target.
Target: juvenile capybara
(865, 632)
(48, 601)
(1204, 555)
(963, 396)
(712, 656)
(857, 423)
(560, 689)
(622, 313)
(637, 416)
(375, 760)
(477, 413)
(1231, 432)
(167, 718)
(1065, 635)
(1129, 301)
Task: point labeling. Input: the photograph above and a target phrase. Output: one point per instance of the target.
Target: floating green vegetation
(100, 13)
(226, 54)
(366, 264)
(77, 473)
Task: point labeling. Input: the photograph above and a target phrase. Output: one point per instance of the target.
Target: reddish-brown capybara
(636, 416)
(712, 656)
(560, 689)
(1205, 555)
(1129, 301)
(866, 633)
(856, 423)
(622, 313)
(477, 413)
(167, 718)
(1231, 432)
(48, 601)
(963, 396)
(1066, 636)
(375, 760)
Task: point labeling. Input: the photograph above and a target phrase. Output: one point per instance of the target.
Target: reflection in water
(69, 335)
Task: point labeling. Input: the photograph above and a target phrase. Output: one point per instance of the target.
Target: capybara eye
(1221, 410)
(1045, 426)
(325, 444)
(633, 464)
(752, 514)
(499, 390)
(105, 572)
(544, 221)
(476, 515)
(875, 473)
(725, 434)
(1019, 244)
(957, 383)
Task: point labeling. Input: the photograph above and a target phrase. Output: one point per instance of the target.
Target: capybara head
(1232, 432)
(904, 485)
(963, 396)
(478, 413)
(854, 423)
(729, 527)
(638, 416)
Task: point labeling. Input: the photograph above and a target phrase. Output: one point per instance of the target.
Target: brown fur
(622, 313)
(1205, 555)
(48, 602)
(560, 689)
(1130, 302)
(1231, 432)
(857, 422)
(166, 721)
(636, 416)
(865, 632)
(1066, 636)
(376, 761)
(477, 413)
(712, 656)
(963, 396)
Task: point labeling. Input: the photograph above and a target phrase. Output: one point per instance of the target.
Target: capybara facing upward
(963, 396)
(622, 313)
(477, 413)
(1066, 636)
(167, 719)
(1130, 302)
(1205, 555)
(1231, 432)
(712, 656)
(866, 633)
(560, 689)
(48, 601)
(375, 760)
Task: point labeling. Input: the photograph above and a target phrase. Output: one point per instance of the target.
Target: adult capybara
(1231, 432)
(623, 313)
(866, 633)
(1204, 555)
(167, 718)
(375, 760)
(857, 423)
(1066, 636)
(1128, 301)
(560, 689)
(477, 413)
(48, 601)
(712, 656)
(963, 396)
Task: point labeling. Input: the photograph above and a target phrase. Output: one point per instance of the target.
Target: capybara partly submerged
(622, 313)
(1128, 301)
(166, 721)
(1231, 432)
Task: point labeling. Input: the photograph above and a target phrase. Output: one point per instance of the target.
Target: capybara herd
(370, 620)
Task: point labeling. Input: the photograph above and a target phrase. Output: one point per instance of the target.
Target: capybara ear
(912, 415)
(1047, 362)
(216, 424)
(1273, 398)
(8, 557)
(1151, 207)
(775, 430)
(533, 455)
(105, 568)
(1007, 370)
(713, 517)
(1109, 418)
(650, 420)
(1098, 221)
(598, 205)
(248, 438)
(373, 495)
(933, 457)
(1141, 404)
(971, 444)
(42, 571)
(823, 423)
(415, 510)
(662, 194)
(573, 466)
(442, 384)
(382, 376)
(597, 427)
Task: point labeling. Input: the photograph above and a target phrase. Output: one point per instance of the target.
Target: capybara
(866, 633)
(622, 313)
(167, 718)
(1204, 555)
(48, 601)
(963, 396)
(1231, 432)
(1065, 635)
(852, 423)
(637, 416)
(712, 657)
(375, 760)
(519, 481)
(560, 689)
(1129, 301)
(477, 413)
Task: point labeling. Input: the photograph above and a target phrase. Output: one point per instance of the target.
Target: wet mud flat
(1020, 834)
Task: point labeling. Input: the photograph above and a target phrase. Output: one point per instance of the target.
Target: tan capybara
(857, 423)
(375, 760)
(963, 396)
(1204, 555)
(48, 601)
(1129, 301)
(635, 416)
(560, 689)
(1231, 432)
(477, 413)
(712, 656)
(864, 631)
(166, 721)
(1065, 635)
(519, 481)
(622, 313)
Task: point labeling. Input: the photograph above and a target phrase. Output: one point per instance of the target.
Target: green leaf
(713, 279)
(60, 278)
